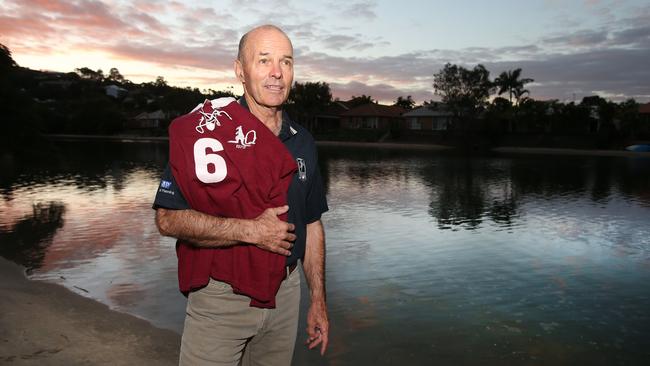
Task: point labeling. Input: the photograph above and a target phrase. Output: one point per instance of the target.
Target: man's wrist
(246, 229)
(317, 297)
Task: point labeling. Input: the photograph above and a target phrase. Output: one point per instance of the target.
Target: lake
(432, 257)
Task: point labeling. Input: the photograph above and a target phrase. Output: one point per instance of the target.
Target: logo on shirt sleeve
(302, 169)
(165, 186)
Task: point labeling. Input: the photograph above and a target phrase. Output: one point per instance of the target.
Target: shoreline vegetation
(474, 114)
(381, 145)
(44, 323)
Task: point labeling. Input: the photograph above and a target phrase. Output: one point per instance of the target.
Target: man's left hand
(317, 326)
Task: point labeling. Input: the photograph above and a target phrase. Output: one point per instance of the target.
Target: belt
(291, 268)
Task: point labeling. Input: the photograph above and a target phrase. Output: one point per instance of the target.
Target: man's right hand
(272, 234)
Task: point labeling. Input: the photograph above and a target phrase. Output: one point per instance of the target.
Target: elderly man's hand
(317, 326)
(272, 234)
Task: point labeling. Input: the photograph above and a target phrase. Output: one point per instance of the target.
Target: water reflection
(105, 245)
(466, 191)
(465, 260)
(26, 240)
(85, 166)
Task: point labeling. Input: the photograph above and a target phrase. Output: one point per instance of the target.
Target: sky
(385, 49)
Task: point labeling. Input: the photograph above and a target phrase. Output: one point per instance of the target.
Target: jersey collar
(286, 131)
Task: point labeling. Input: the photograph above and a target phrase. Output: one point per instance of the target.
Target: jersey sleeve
(169, 194)
(316, 199)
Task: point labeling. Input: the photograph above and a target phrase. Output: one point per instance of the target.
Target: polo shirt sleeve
(316, 200)
(169, 194)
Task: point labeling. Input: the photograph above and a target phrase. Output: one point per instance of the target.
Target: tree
(214, 94)
(160, 82)
(89, 74)
(94, 114)
(21, 116)
(307, 100)
(628, 114)
(361, 100)
(6, 61)
(464, 91)
(508, 81)
(311, 95)
(407, 103)
(520, 95)
(114, 75)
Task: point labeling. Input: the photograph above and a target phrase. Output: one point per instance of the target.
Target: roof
(347, 104)
(644, 108)
(427, 112)
(114, 87)
(374, 110)
(335, 109)
(159, 114)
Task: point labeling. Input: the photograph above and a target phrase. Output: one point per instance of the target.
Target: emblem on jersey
(165, 184)
(209, 116)
(244, 140)
(302, 169)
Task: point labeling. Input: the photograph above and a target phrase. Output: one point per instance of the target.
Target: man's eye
(263, 61)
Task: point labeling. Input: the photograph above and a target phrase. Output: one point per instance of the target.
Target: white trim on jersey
(216, 103)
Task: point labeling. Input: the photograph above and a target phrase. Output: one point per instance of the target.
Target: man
(221, 328)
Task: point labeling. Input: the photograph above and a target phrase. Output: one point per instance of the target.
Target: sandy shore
(46, 324)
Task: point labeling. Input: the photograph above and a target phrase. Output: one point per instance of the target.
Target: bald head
(243, 42)
(264, 66)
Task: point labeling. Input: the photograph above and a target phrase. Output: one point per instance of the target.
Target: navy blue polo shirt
(306, 196)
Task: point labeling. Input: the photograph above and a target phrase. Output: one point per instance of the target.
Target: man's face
(267, 68)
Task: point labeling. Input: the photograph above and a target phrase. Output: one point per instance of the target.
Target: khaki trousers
(221, 328)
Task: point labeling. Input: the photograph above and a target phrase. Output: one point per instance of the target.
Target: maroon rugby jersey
(227, 163)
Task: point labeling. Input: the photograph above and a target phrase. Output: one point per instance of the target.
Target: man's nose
(276, 70)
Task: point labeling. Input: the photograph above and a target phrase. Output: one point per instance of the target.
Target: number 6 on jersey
(203, 159)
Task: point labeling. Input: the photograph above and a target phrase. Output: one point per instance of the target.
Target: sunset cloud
(606, 52)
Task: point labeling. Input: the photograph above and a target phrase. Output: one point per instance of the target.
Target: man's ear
(239, 71)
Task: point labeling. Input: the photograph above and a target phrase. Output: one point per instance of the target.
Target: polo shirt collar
(286, 131)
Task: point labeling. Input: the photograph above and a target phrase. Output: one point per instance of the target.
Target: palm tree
(520, 94)
(509, 81)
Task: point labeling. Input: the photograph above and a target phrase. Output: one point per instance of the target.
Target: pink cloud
(148, 7)
(175, 55)
(47, 20)
(29, 27)
(152, 23)
(177, 7)
(52, 6)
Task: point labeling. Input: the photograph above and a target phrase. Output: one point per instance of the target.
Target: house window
(415, 124)
(439, 124)
(370, 122)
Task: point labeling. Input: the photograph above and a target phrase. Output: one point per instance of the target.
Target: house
(146, 120)
(115, 91)
(428, 118)
(57, 80)
(372, 116)
(330, 118)
(644, 111)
